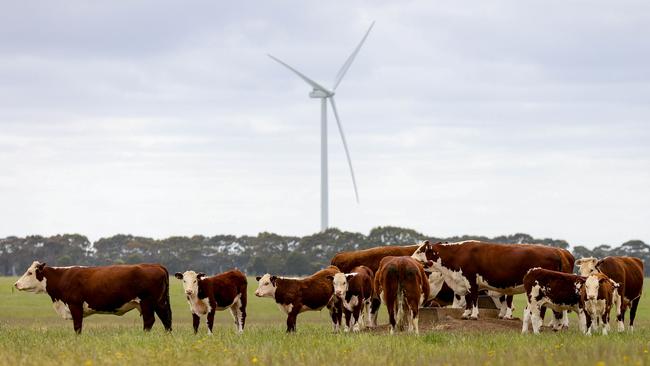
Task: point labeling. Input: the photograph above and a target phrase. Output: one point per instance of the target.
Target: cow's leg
(468, 307)
(565, 319)
(536, 318)
(243, 302)
(164, 312)
(292, 317)
(391, 302)
(148, 318)
(210, 320)
(348, 315)
(588, 323)
(195, 322)
(77, 312)
(236, 311)
(509, 307)
(635, 304)
(582, 321)
(414, 304)
(542, 314)
(357, 313)
(524, 326)
(374, 311)
(473, 299)
(335, 307)
(605, 320)
(459, 302)
(557, 323)
(500, 303)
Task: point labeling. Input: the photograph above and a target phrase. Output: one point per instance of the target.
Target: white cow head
(591, 287)
(266, 286)
(426, 254)
(190, 281)
(340, 282)
(587, 266)
(33, 280)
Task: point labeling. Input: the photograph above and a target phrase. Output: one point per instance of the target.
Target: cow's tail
(400, 306)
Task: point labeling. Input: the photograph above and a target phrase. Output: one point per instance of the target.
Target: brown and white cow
(597, 297)
(473, 265)
(295, 296)
(347, 261)
(78, 292)
(403, 286)
(556, 290)
(205, 295)
(627, 272)
(355, 290)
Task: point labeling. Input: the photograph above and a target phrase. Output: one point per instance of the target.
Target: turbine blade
(345, 146)
(348, 62)
(309, 81)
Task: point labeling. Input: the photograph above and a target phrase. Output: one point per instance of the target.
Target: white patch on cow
(62, 309)
(621, 326)
(455, 279)
(587, 266)
(591, 287)
(524, 326)
(287, 308)
(436, 280)
(29, 283)
(474, 312)
(508, 313)
(265, 287)
(350, 305)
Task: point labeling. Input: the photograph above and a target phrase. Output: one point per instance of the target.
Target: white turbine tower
(324, 94)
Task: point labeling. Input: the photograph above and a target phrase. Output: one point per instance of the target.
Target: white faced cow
(205, 295)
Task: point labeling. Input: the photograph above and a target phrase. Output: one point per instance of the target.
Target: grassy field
(31, 333)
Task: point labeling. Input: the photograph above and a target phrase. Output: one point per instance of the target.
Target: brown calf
(295, 296)
(557, 290)
(355, 290)
(596, 297)
(403, 286)
(205, 295)
(627, 272)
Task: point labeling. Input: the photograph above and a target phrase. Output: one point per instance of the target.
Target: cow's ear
(348, 276)
(40, 266)
(257, 278)
(178, 275)
(426, 242)
(330, 277)
(200, 276)
(274, 279)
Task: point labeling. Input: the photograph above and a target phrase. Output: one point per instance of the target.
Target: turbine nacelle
(317, 93)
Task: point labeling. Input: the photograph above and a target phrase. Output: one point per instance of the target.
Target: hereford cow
(347, 261)
(355, 291)
(205, 295)
(557, 290)
(295, 296)
(627, 272)
(472, 265)
(597, 297)
(403, 286)
(78, 292)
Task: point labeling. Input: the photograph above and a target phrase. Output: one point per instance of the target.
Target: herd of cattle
(403, 278)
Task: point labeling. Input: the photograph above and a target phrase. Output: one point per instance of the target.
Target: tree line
(266, 252)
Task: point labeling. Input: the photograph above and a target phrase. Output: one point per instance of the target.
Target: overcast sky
(487, 118)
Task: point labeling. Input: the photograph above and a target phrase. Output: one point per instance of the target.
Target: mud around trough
(450, 324)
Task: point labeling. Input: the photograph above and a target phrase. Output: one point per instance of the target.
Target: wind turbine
(324, 94)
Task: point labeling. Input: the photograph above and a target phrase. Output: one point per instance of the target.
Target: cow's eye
(194, 281)
(29, 273)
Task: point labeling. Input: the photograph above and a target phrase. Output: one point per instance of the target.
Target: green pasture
(32, 333)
